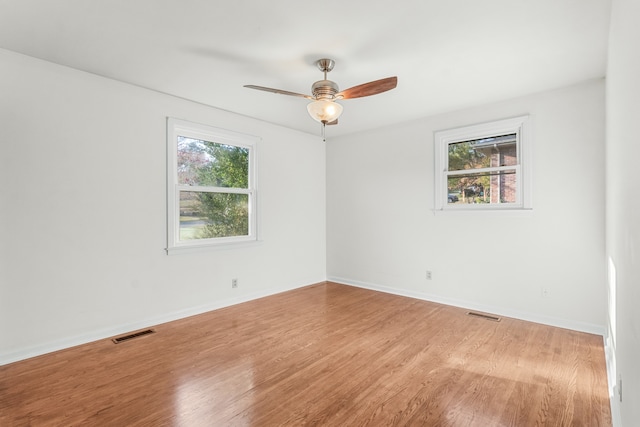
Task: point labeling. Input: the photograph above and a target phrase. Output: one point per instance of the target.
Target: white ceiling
(447, 54)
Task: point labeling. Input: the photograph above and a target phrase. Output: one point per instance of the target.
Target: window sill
(513, 212)
(178, 250)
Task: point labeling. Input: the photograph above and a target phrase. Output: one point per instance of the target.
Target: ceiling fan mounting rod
(325, 89)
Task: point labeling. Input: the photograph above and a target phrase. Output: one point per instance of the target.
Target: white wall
(623, 204)
(83, 211)
(382, 233)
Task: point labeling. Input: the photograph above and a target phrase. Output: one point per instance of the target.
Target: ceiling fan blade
(368, 89)
(280, 91)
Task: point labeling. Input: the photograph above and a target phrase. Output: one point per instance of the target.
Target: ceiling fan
(324, 109)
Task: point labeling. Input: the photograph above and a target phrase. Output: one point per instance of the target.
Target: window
(211, 186)
(484, 167)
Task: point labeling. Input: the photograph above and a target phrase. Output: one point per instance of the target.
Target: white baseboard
(530, 317)
(61, 344)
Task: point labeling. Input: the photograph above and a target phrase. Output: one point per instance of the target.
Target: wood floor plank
(323, 355)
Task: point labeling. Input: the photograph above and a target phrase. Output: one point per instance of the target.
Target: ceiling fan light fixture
(324, 111)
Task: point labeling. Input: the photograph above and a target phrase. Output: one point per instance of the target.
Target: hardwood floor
(327, 354)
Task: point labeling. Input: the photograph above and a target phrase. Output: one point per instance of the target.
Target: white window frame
(175, 128)
(521, 126)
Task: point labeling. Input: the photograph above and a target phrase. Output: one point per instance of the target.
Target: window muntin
(211, 186)
(483, 167)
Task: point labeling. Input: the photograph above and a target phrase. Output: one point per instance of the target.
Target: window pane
(212, 164)
(205, 215)
(483, 153)
(489, 188)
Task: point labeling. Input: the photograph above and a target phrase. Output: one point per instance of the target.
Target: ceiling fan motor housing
(324, 89)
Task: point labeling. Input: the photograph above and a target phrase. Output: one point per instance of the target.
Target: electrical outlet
(544, 292)
(429, 275)
(234, 283)
(620, 387)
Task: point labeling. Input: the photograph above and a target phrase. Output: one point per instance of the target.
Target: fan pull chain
(324, 139)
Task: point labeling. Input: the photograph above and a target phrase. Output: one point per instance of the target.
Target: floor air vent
(483, 316)
(124, 338)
